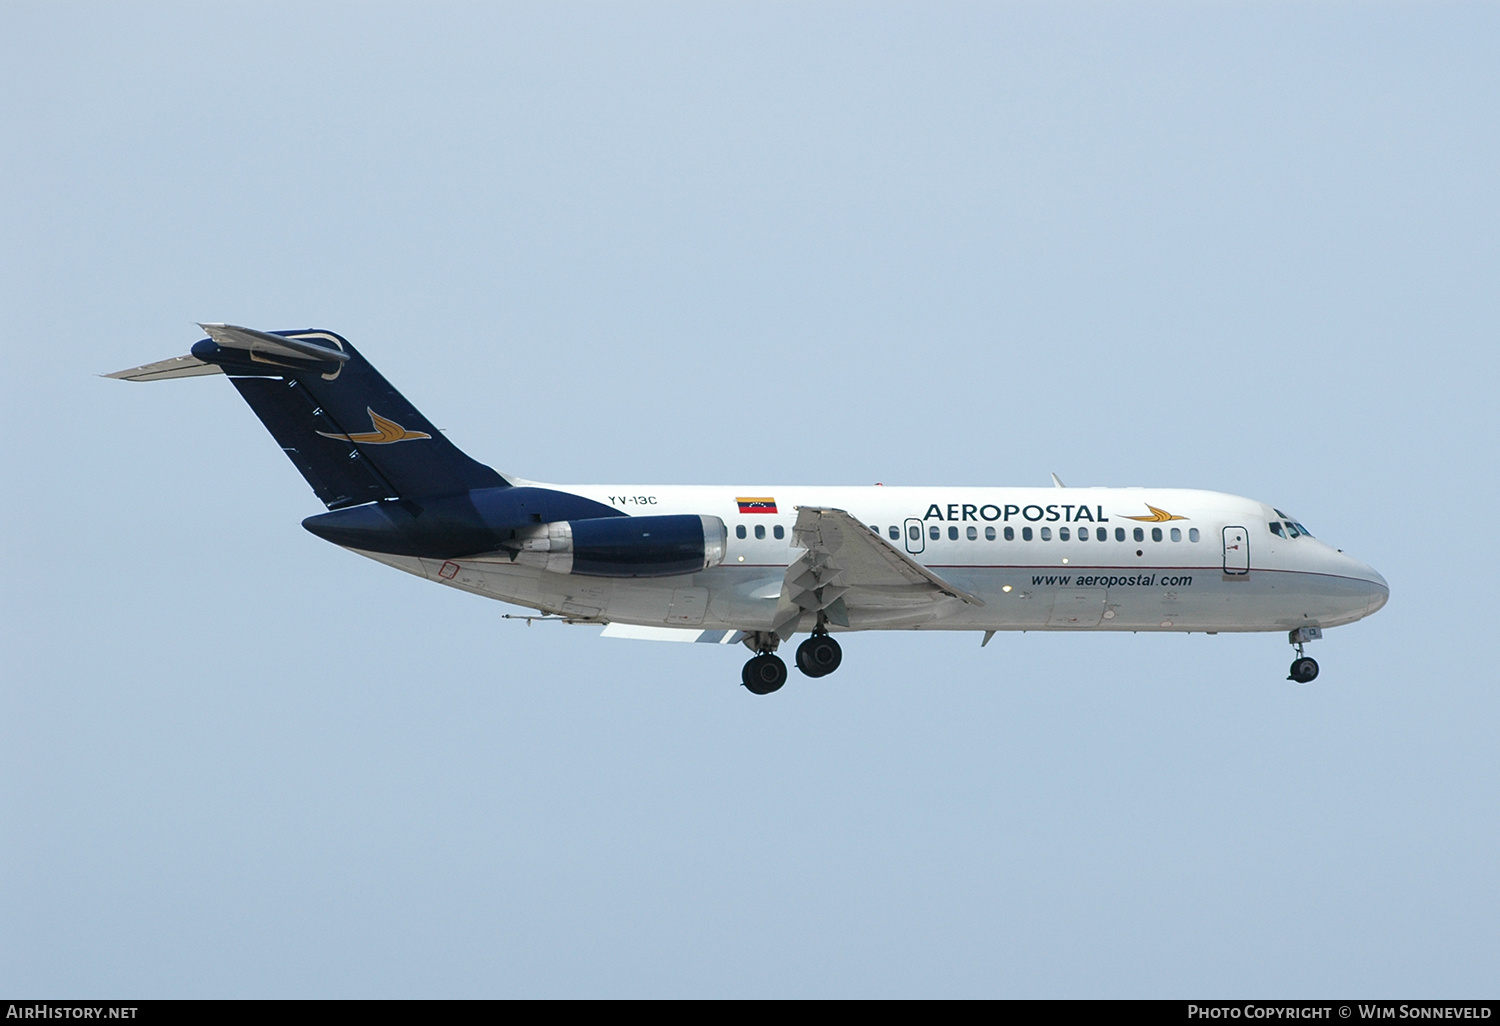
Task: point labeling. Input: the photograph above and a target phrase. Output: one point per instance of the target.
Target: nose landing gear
(1304, 669)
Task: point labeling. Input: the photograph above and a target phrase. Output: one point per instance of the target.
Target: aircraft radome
(761, 564)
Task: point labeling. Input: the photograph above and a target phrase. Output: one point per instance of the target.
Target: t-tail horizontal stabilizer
(353, 437)
(161, 370)
(301, 348)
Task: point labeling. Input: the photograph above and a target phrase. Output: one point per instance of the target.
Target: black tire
(764, 674)
(1304, 671)
(819, 656)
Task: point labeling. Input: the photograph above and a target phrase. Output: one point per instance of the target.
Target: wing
(690, 634)
(849, 567)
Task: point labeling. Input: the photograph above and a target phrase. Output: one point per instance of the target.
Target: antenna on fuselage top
(1057, 482)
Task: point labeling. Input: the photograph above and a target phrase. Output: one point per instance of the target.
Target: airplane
(759, 564)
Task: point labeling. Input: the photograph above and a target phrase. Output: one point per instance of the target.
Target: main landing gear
(1304, 669)
(764, 674)
(818, 656)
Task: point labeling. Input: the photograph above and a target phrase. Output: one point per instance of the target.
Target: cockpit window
(1294, 528)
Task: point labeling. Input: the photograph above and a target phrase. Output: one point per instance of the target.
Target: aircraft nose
(1378, 591)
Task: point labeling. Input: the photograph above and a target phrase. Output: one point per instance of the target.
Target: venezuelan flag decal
(756, 505)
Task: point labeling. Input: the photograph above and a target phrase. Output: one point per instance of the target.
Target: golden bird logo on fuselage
(1158, 516)
(386, 431)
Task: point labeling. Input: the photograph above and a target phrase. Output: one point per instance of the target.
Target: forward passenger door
(1236, 550)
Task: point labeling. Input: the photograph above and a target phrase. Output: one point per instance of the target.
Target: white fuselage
(1074, 558)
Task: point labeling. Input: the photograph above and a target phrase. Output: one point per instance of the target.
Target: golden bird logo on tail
(1158, 516)
(386, 431)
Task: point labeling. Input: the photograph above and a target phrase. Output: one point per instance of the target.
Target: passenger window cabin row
(971, 532)
(935, 533)
(760, 531)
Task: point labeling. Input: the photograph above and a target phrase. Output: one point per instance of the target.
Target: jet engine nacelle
(450, 526)
(555, 531)
(664, 546)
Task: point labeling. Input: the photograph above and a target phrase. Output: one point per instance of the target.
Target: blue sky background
(1242, 247)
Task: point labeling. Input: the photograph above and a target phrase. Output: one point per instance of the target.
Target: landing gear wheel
(1304, 670)
(764, 674)
(819, 656)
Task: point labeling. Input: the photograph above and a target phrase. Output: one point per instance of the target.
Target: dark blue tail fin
(350, 434)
